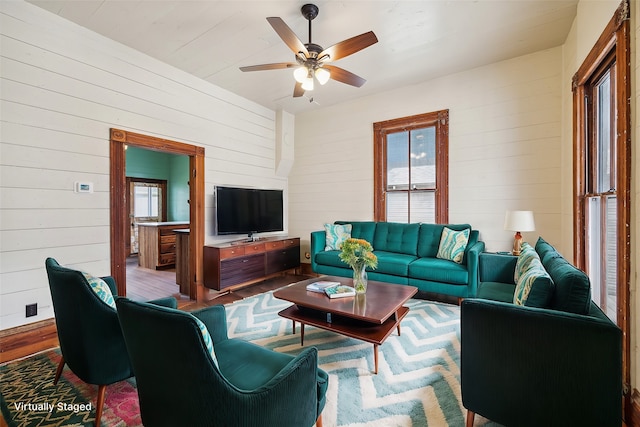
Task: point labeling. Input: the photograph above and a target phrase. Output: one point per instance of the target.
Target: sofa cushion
(429, 238)
(101, 289)
(527, 254)
(393, 263)
(396, 237)
(335, 235)
(207, 340)
(496, 291)
(330, 258)
(361, 229)
(439, 270)
(255, 366)
(545, 250)
(453, 244)
(534, 286)
(572, 286)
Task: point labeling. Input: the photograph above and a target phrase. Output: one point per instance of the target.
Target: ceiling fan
(311, 59)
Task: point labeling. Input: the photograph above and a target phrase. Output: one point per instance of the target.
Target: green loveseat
(555, 361)
(406, 256)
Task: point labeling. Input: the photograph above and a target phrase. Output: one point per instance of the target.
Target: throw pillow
(101, 289)
(336, 234)
(452, 244)
(207, 340)
(534, 286)
(527, 254)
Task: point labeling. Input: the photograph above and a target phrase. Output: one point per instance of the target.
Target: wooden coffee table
(370, 317)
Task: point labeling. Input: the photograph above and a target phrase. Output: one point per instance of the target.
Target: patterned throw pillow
(101, 289)
(336, 234)
(527, 254)
(452, 244)
(207, 340)
(535, 276)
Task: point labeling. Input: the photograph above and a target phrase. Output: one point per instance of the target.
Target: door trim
(119, 139)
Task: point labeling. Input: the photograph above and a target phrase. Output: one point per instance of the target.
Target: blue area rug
(418, 381)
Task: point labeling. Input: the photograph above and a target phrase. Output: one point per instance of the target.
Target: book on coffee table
(321, 285)
(340, 291)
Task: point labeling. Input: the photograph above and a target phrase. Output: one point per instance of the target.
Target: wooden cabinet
(157, 243)
(239, 264)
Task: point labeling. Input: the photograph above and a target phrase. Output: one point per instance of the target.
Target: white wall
(504, 149)
(62, 88)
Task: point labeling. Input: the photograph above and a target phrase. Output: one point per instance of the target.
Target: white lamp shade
(300, 74)
(308, 83)
(519, 221)
(322, 75)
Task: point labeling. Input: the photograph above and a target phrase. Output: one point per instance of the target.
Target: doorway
(120, 224)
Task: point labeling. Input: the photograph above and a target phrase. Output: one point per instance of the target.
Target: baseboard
(22, 341)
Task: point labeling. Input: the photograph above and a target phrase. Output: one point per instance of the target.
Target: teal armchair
(180, 383)
(89, 333)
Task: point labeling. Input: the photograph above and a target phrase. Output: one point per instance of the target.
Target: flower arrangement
(358, 253)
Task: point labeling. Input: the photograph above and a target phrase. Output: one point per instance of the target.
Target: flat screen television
(247, 210)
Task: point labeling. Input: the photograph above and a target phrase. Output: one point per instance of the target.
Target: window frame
(613, 42)
(438, 119)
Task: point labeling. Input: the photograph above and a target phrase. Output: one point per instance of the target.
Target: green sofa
(555, 361)
(406, 256)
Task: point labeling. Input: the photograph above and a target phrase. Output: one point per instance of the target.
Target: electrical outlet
(31, 310)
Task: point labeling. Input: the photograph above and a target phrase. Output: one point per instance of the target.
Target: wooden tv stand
(237, 264)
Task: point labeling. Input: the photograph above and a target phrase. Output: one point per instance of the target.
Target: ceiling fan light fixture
(300, 74)
(323, 75)
(308, 83)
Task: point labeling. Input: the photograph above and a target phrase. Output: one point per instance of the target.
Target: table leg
(294, 327)
(398, 329)
(375, 358)
(301, 333)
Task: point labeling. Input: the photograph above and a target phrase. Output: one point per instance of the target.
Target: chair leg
(100, 403)
(59, 370)
(319, 421)
(470, 416)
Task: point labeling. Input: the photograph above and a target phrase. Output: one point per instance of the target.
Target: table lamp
(518, 221)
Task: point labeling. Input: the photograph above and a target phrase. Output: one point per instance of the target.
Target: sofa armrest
(215, 319)
(318, 241)
(497, 268)
(559, 368)
(472, 258)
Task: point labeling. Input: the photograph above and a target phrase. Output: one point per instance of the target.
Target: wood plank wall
(63, 87)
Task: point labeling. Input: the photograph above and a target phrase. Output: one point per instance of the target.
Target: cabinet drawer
(167, 248)
(167, 231)
(290, 242)
(241, 269)
(279, 244)
(283, 259)
(231, 252)
(167, 259)
(167, 239)
(254, 249)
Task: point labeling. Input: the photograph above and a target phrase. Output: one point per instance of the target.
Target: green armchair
(89, 333)
(181, 383)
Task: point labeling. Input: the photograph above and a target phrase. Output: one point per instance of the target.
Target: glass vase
(360, 278)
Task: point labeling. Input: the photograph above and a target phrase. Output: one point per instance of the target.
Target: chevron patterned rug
(418, 380)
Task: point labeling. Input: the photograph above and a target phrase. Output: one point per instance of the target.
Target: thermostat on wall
(84, 187)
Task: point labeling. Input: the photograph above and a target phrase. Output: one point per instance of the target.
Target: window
(602, 177)
(411, 168)
(146, 201)
(600, 198)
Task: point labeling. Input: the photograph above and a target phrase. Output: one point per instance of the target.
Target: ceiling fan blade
(298, 91)
(344, 76)
(275, 66)
(349, 46)
(288, 36)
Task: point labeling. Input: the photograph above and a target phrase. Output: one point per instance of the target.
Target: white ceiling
(418, 40)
